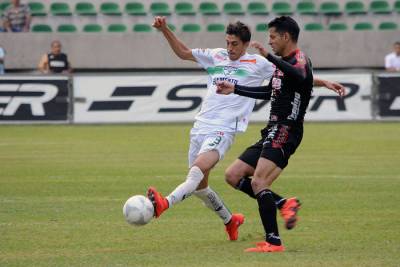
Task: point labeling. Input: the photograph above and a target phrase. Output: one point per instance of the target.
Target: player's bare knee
(231, 177)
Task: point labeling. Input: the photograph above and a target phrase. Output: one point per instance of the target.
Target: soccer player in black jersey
(290, 91)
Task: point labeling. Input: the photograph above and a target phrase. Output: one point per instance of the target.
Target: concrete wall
(150, 50)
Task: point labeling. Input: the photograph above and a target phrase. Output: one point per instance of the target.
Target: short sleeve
(203, 56)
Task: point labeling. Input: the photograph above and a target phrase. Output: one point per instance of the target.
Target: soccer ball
(138, 210)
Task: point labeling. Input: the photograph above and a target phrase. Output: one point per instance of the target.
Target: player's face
(235, 47)
(397, 49)
(277, 41)
(56, 48)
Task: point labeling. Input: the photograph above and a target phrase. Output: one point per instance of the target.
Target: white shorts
(200, 143)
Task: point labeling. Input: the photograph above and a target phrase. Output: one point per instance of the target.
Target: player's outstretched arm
(256, 92)
(334, 86)
(180, 49)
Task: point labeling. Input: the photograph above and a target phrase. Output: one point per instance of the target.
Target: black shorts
(278, 142)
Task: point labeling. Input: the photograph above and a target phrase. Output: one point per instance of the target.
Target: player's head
(56, 47)
(396, 48)
(282, 31)
(237, 38)
(15, 2)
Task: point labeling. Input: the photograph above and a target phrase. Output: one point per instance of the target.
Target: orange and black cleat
(289, 212)
(266, 247)
(160, 203)
(232, 228)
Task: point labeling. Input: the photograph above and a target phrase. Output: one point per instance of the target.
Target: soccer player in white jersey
(221, 116)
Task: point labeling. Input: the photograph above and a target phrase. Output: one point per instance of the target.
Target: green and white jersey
(228, 113)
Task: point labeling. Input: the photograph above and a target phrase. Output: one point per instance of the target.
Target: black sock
(279, 201)
(244, 185)
(267, 209)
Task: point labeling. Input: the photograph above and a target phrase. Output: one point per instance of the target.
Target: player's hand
(261, 49)
(225, 88)
(160, 23)
(336, 87)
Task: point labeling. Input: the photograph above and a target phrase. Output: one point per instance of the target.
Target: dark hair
(397, 43)
(286, 24)
(240, 30)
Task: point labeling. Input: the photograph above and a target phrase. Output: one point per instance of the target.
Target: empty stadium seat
(85, 9)
(41, 28)
(110, 9)
(313, 27)
(142, 28)
(261, 27)
(306, 8)
(37, 9)
(397, 6)
(339, 26)
(233, 8)
(209, 8)
(216, 27)
(135, 9)
(116, 28)
(363, 26)
(92, 28)
(282, 8)
(330, 8)
(184, 8)
(388, 26)
(355, 8)
(60, 9)
(257, 8)
(67, 28)
(191, 27)
(160, 9)
(380, 7)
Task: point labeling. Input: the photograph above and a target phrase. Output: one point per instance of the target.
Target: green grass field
(62, 189)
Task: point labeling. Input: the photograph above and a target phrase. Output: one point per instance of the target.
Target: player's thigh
(206, 160)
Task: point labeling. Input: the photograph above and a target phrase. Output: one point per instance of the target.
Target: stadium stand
(82, 17)
(339, 26)
(90, 28)
(313, 27)
(184, 9)
(209, 8)
(37, 9)
(306, 8)
(110, 9)
(41, 28)
(355, 8)
(142, 28)
(67, 28)
(257, 8)
(191, 27)
(116, 28)
(160, 9)
(282, 8)
(85, 9)
(233, 8)
(135, 9)
(60, 9)
(330, 8)
(216, 27)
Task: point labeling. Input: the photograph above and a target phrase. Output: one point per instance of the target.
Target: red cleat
(289, 212)
(233, 226)
(266, 247)
(160, 203)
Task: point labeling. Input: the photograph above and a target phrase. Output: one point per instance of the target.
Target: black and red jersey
(290, 88)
